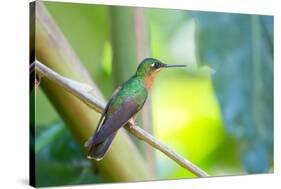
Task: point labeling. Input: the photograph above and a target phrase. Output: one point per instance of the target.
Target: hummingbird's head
(149, 68)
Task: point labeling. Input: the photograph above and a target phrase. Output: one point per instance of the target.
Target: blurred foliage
(59, 160)
(242, 56)
(223, 122)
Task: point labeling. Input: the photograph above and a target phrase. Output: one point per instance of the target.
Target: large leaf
(239, 47)
(59, 160)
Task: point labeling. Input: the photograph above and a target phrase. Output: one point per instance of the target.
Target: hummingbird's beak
(173, 65)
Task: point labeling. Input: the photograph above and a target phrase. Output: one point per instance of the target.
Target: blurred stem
(77, 90)
(143, 50)
(257, 85)
(123, 44)
(197, 43)
(53, 49)
(124, 50)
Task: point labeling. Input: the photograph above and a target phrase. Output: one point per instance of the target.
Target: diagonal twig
(80, 91)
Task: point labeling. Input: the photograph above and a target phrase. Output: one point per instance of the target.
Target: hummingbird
(126, 101)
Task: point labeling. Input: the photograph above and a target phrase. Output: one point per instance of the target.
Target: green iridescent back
(133, 89)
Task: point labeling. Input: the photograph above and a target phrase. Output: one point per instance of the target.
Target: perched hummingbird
(125, 103)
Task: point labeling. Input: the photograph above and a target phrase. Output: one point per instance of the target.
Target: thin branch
(83, 93)
(71, 86)
(143, 50)
(54, 50)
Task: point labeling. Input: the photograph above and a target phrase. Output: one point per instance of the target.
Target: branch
(82, 92)
(143, 50)
(53, 49)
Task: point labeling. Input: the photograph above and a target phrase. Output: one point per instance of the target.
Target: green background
(218, 112)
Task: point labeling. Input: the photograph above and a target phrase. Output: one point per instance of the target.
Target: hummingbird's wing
(97, 151)
(116, 120)
(89, 142)
(103, 117)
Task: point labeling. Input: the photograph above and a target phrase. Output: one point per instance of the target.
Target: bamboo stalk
(123, 44)
(123, 40)
(143, 50)
(123, 161)
(75, 89)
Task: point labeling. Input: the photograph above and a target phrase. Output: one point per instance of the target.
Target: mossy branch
(83, 92)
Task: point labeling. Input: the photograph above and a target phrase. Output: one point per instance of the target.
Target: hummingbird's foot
(132, 121)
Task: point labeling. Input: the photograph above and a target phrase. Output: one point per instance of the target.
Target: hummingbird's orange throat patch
(149, 79)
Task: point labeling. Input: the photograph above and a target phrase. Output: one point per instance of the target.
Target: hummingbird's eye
(157, 65)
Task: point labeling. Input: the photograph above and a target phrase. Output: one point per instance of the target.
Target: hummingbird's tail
(97, 151)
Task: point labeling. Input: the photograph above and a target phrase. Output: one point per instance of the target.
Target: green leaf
(59, 160)
(239, 47)
(48, 136)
